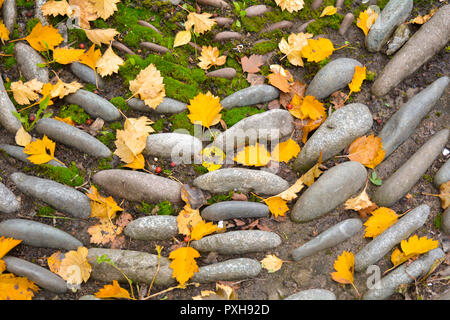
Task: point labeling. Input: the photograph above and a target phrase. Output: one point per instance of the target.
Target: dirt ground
(311, 272)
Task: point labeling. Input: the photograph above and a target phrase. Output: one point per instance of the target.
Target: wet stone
(229, 270)
(312, 294)
(227, 36)
(152, 228)
(226, 210)
(86, 74)
(8, 201)
(28, 60)
(94, 105)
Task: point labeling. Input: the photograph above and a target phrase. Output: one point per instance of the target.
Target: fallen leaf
(380, 220)
(445, 195)
(40, 151)
(344, 266)
(338, 99)
(279, 81)
(202, 229)
(360, 203)
(251, 64)
(55, 8)
(4, 32)
(271, 263)
(328, 11)
(212, 158)
(296, 88)
(109, 63)
(124, 219)
(317, 50)
(187, 219)
(103, 208)
(74, 267)
(67, 55)
(54, 261)
(183, 263)
(99, 36)
(255, 79)
(205, 110)
(104, 232)
(422, 19)
(277, 206)
(210, 57)
(311, 125)
(22, 137)
(16, 288)
(182, 38)
(91, 57)
(6, 244)
(312, 108)
(366, 19)
(367, 151)
(25, 93)
(285, 151)
(113, 290)
(412, 248)
(149, 86)
(223, 292)
(253, 155)
(290, 5)
(357, 80)
(67, 120)
(43, 38)
(83, 11)
(105, 8)
(292, 48)
(201, 22)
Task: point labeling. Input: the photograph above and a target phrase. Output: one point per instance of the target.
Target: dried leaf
(210, 57)
(184, 265)
(367, 151)
(285, 151)
(312, 108)
(109, 63)
(74, 267)
(201, 22)
(43, 38)
(252, 64)
(22, 138)
(223, 292)
(422, 19)
(366, 19)
(445, 195)
(25, 93)
(318, 50)
(113, 290)
(277, 206)
(84, 12)
(338, 99)
(105, 8)
(360, 202)
(254, 155)
(271, 263)
(54, 261)
(103, 208)
(91, 57)
(205, 110)
(344, 266)
(328, 11)
(182, 38)
(104, 232)
(41, 150)
(357, 80)
(381, 219)
(187, 219)
(293, 47)
(149, 86)
(202, 229)
(6, 244)
(411, 248)
(279, 81)
(67, 120)
(290, 5)
(99, 36)
(67, 55)
(55, 8)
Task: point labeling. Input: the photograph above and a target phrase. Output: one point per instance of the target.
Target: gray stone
(9, 11)
(443, 175)
(335, 134)
(215, 3)
(445, 221)
(333, 187)
(17, 153)
(226, 210)
(167, 106)
(89, 297)
(402, 180)
(394, 14)
(249, 96)
(312, 294)
(61, 197)
(8, 201)
(180, 148)
(403, 123)
(229, 270)
(329, 238)
(72, 137)
(336, 75)
(140, 267)
(86, 74)
(223, 21)
(404, 274)
(28, 60)
(94, 105)
(399, 38)
(346, 23)
(7, 119)
(152, 228)
(42, 277)
(241, 179)
(383, 243)
(257, 10)
(284, 24)
(238, 242)
(38, 12)
(226, 73)
(154, 47)
(138, 186)
(38, 234)
(443, 296)
(227, 36)
(424, 44)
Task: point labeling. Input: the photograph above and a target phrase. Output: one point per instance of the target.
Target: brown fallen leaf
(361, 203)
(338, 99)
(255, 79)
(124, 219)
(252, 64)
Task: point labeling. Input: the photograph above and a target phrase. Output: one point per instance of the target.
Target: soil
(311, 272)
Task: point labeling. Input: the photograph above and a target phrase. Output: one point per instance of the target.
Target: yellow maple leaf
(290, 5)
(344, 266)
(104, 232)
(99, 36)
(201, 22)
(22, 137)
(26, 92)
(318, 50)
(205, 109)
(366, 19)
(285, 151)
(183, 263)
(54, 261)
(74, 267)
(312, 108)
(187, 219)
(113, 290)
(310, 126)
(411, 248)
(358, 77)
(41, 151)
(181, 38)
(328, 11)
(280, 81)
(6, 244)
(105, 8)
(16, 288)
(254, 155)
(43, 38)
(109, 63)
(292, 48)
(210, 57)
(367, 150)
(2, 266)
(212, 158)
(422, 19)
(271, 263)
(380, 220)
(4, 32)
(55, 8)
(101, 207)
(202, 229)
(277, 206)
(445, 194)
(91, 57)
(149, 86)
(67, 55)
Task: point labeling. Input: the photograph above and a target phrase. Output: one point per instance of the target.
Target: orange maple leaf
(113, 290)
(183, 263)
(367, 151)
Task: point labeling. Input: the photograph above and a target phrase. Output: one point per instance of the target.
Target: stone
(334, 135)
(312, 294)
(27, 61)
(336, 75)
(38, 12)
(250, 96)
(149, 25)
(316, 4)
(398, 39)
(73, 137)
(61, 197)
(229, 270)
(332, 188)
(86, 74)
(227, 36)
(38, 234)
(94, 105)
(138, 186)
(7, 118)
(226, 210)
(256, 10)
(9, 13)
(17, 153)
(329, 238)
(180, 148)
(152, 228)
(44, 278)
(154, 47)
(167, 106)
(223, 21)
(403, 123)
(402, 180)
(346, 23)
(226, 73)
(422, 46)
(445, 221)
(238, 242)
(241, 179)
(383, 243)
(404, 274)
(215, 3)
(8, 201)
(284, 24)
(120, 46)
(89, 297)
(443, 175)
(394, 14)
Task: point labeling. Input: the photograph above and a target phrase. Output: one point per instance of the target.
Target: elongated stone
(28, 60)
(223, 21)
(138, 186)
(152, 228)
(284, 24)
(180, 148)
(402, 180)
(423, 45)
(346, 23)
(445, 221)
(7, 118)
(215, 3)
(312, 294)
(17, 153)
(42, 277)
(9, 11)
(167, 106)
(61, 197)
(383, 243)
(234, 210)
(140, 267)
(404, 274)
(238, 242)
(336, 75)
(241, 179)
(249, 96)
(335, 134)
(229, 270)
(403, 123)
(8, 201)
(226, 73)
(443, 175)
(86, 74)
(72, 137)
(38, 234)
(94, 105)
(329, 238)
(332, 188)
(227, 36)
(38, 12)
(257, 10)
(154, 47)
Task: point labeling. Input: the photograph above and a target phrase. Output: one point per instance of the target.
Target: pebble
(9, 11)
(312, 294)
(316, 4)
(154, 47)
(332, 188)
(404, 274)
(61, 197)
(329, 238)
(257, 10)
(443, 175)
(404, 178)
(226, 73)
(120, 46)
(227, 36)
(285, 24)
(167, 106)
(399, 38)
(44, 278)
(138, 186)
(305, 25)
(8, 201)
(424, 44)
(229, 270)
(89, 297)
(38, 12)
(445, 221)
(86, 74)
(181, 148)
(149, 25)
(336, 75)
(250, 96)
(72, 137)
(394, 14)
(346, 23)
(7, 118)
(238, 242)
(215, 3)
(94, 105)
(383, 243)
(38, 234)
(403, 123)
(226, 210)
(223, 21)
(27, 60)
(140, 267)
(241, 179)
(152, 228)
(337, 132)
(17, 153)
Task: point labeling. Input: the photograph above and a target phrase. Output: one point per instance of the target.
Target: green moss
(199, 169)
(159, 125)
(120, 103)
(90, 87)
(438, 221)
(45, 211)
(117, 125)
(383, 3)
(264, 47)
(107, 138)
(181, 121)
(370, 75)
(220, 197)
(76, 36)
(165, 209)
(74, 112)
(145, 207)
(104, 164)
(69, 176)
(234, 115)
(28, 4)
(428, 178)
(31, 24)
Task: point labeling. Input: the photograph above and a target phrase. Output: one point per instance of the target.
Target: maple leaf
(43, 38)
(380, 220)
(366, 19)
(26, 92)
(278, 80)
(344, 266)
(67, 55)
(113, 290)
(60, 89)
(254, 155)
(201, 22)
(104, 232)
(293, 47)
(83, 11)
(91, 57)
(4, 32)
(223, 292)
(271, 263)
(109, 63)
(101, 207)
(297, 88)
(290, 5)
(251, 64)
(445, 194)
(312, 108)
(105, 8)
(6, 244)
(67, 120)
(187, 219)
(16, 288)
(318, 50)
(202, 229)
(285, 151)
(181, 38)
(22, 137)
(411, 248)
(183, 263)
(328, 11)
(422, 19)
(212, 158)
(99, 36)
(41, 150)
(311, 125)
(358, 77)
(74, 267)
(361, 203)
(54, 261)
(55, 8)
(210, 57)
(277, 206)
(149, 86)
(367, 151)
(205, 109)
(338, 99)
(137, 163)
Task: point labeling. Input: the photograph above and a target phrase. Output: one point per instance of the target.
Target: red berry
(158, 169)
(81, 46)
(172, 164)
(290, 106)
(31, 117)
(96, 91)
(186, 239)
(89, 122)
(29, 14)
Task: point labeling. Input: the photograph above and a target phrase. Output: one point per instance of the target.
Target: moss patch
(234, 115)
(74, 112)
(70, 176)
